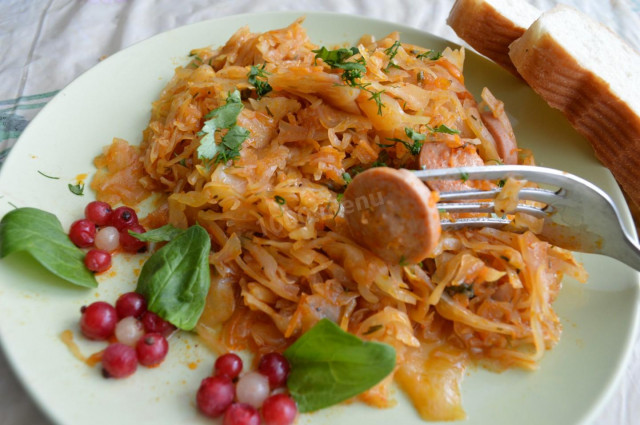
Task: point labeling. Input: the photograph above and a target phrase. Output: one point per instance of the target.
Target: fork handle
(629, 252)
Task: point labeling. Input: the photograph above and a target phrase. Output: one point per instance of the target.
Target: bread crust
(485, 29)
(610, 124)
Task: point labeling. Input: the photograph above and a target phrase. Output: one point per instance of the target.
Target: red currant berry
(152, 349)
(129, 243)
(97, 260)
(99, 213)
(275, 367)
(154, 323)
(228, 364)
(215, 395)
(241, 414)
(98, 321)
(131, 304)
(119, 361)
(123, 217)
(279, 409)
(82, 233)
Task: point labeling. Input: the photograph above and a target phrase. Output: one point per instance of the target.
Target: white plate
(113, 100)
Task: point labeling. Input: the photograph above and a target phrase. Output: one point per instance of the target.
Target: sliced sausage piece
(505, 140)
(439, 155)
(498, 124)
(392, 213)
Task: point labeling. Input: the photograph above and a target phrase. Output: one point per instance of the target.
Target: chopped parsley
(416, 138)
(464, 176)
(48, 176)
(403, 261)
(347, 178)
(383, 157)
(375, 96)
(76, 189)
(280, 200)
(430, 54)
(443, 129)
(392, 52)
(352, 71)
(501, 183)
(223, 117)
(373, 329)
(464, 289)
(339, 197)
(258, 78)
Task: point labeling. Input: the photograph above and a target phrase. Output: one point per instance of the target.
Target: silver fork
(578, 215)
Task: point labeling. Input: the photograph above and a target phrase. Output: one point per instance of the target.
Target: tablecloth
(45, 44)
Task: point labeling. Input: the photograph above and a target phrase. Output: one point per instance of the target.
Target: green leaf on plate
(40, 234)
(329, 365)
(175, 279)
(161, 234)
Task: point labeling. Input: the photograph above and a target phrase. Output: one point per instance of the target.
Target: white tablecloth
(45, 44)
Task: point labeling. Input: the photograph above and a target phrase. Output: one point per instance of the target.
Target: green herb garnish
(175, 279)
(443, 129)
(329, 365)
(464, 289)
(417, 139)
(431, 55)
(40, 234)
(403, 261)
(257, 78)
(353, 71)
(464, 176)
(161, 234)
(76, 189)
(280, 200)
(373, 329)
(383, 159)
(501, 183)
(347, 178)
(48, 176)
(224, 117)
(392, 52)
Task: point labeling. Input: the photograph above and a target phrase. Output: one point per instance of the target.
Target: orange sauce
(67, 338)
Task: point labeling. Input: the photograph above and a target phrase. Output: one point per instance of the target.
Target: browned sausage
(392, 213)
(505, 140)
(439, 155)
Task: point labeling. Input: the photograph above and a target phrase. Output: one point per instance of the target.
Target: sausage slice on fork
(392, 213)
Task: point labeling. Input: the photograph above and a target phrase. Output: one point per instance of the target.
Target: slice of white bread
(585, 70)
(490, 26)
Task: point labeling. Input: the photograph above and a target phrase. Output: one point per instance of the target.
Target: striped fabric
(15, 114)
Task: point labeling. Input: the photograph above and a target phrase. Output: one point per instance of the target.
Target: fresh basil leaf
(40, 234)
(329, 365)
(175, 279)
(161, 234)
